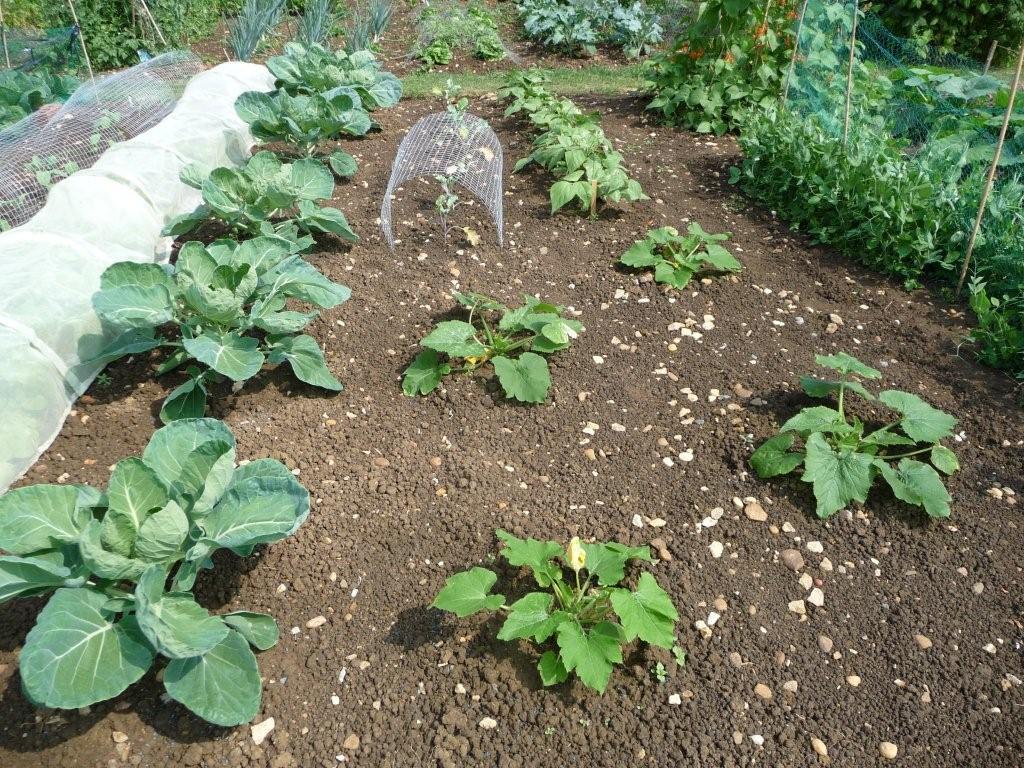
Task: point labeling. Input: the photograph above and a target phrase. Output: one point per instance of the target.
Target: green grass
(606, 81)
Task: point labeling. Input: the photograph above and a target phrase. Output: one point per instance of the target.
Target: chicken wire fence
(460, 146)
(59, 139)
(942, 111)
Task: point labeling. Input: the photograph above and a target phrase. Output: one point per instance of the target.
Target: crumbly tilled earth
(407, 491)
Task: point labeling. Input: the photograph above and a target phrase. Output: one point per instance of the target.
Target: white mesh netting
(59, 139)
(114, 211)
(466, 149)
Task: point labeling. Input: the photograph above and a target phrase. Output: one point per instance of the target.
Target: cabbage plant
(226, 306)
(121, 566)
(265, 196)
(304, 121)
(313, 69)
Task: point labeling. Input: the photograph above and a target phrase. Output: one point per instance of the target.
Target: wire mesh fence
(58, 139)
(56, 50)
(460, 147)
(943, 113)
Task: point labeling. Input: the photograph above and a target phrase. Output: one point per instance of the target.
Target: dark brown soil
(395, 48)
(408, 491)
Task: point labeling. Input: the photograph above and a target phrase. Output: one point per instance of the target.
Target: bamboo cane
(796, 48)
(992, 172)
(81, 40)
(991, 55)
(152, 21)
(3, 34)
(849, 74)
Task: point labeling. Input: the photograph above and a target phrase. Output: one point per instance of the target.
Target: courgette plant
(122, 564)
(591, 617)
(225, 306)
(677, 258)
(842, 457)
(265, 196)
(514, 341)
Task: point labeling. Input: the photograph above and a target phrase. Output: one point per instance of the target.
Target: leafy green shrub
(226, 304)
(313, 69)
(577, 27)
(515, 345)
(842, 457)
(22, 93)
(449, 26)
(730, 60)
(590, 622)
(571, 146)
(304, 121)
(108, 557)
(252, 198)
(677, 258)
(966, 26)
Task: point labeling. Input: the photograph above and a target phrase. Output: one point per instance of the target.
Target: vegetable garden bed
(645, 439)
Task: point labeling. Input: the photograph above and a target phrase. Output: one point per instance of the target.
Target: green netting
(53, 50)
(942, 111)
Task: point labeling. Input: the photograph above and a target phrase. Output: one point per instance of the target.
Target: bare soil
(408, 491)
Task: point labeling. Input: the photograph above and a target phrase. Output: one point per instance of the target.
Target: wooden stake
(849, 73)
(992, 172)
(81, 40)
(796, 48)
(593, 198)
(153, 22)
(991, 55)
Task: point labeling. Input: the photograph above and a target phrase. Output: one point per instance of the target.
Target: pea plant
(265, 196)
(121, 566)
(591, 617)
(513, 341)
(571, 146)
(222, 311)
(841, 457)
(677, 258)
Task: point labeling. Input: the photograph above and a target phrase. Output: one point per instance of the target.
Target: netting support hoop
(796, 49)
(81, 40)
(849, 73)
(990, 181)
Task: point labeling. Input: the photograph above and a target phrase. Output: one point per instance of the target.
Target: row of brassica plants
(122, 562)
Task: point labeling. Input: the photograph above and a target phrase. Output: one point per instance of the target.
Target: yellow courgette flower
(576, 555)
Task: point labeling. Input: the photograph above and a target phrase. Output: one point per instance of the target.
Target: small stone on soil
(793, 559)
(260, 731)
(763, 691)
(351, 743)
(488, 723)
(754, 511)
(819, 746)
(923, 642)
(888, 750)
